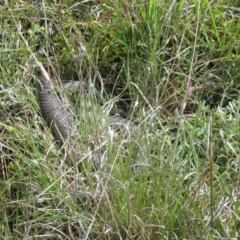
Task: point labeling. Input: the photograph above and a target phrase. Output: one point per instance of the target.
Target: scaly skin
(56, 115)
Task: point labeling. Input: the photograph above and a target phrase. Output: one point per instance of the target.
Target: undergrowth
(172, 66)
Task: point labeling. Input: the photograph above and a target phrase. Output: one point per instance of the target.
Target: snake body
(57, 116)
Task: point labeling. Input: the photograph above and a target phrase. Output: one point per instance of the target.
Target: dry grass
(174, 67)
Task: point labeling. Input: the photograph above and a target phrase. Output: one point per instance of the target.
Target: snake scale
(56, 114)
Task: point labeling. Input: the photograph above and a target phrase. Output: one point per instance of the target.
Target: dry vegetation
(172, 65)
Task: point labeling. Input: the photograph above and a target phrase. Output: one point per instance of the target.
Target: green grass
(175, 67)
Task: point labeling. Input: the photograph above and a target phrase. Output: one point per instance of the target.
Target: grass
(174, 67)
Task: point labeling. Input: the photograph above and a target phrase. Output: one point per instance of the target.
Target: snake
(60, 118)
(57, 116)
